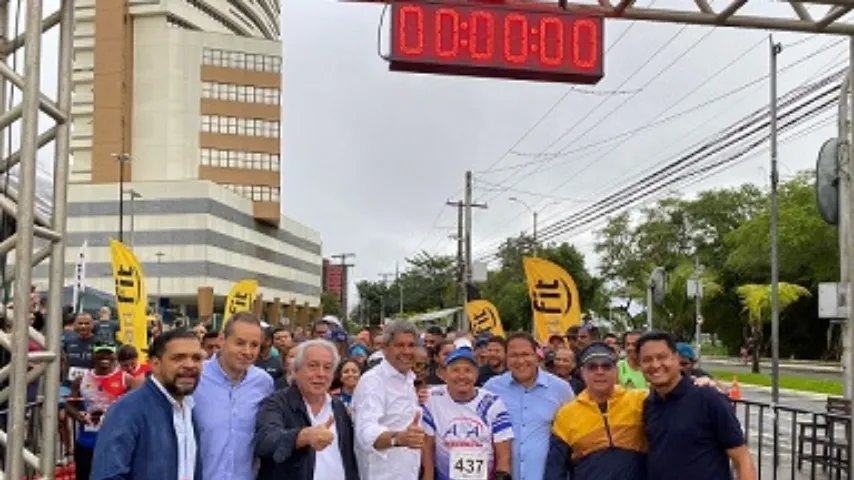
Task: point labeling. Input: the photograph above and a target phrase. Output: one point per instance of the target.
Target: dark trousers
(83, 461)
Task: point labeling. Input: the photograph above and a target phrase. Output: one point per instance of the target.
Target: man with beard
(495, 363)
(148, 434)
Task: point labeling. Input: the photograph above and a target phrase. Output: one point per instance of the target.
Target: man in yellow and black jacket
(600, 434)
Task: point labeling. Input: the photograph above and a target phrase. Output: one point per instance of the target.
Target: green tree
(330, 303)
(756, 300)
(679, 310)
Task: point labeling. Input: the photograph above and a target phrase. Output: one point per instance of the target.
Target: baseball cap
(686, 351)
(332, 320)
(597, 351)
(358, 351)
(337, 335)
(461, 353)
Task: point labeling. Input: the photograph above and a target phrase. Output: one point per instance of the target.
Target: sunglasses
(603, 366)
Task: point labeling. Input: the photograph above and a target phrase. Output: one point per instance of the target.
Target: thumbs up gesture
(320, 436)
(413, 436)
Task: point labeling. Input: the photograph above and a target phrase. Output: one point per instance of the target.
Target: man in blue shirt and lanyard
(227, 400)
(532, 397)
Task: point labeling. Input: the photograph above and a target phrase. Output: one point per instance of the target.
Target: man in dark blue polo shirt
(692, 431)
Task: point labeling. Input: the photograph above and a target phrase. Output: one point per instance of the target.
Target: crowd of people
(394, 403)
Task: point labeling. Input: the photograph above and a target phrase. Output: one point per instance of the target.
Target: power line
(820, 102)
(703, 125)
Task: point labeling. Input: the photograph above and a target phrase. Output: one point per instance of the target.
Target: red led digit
(551, 41)
(585, 44)
(447, 24)
(482, 35)
(521, 23)
(410, 14)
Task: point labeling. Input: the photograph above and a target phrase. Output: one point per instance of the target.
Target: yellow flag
(484, 317)
(554, 298)
(240, 298)
(131, 298)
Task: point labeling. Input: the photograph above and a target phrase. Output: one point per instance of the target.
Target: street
(796, 409)
(795, 369)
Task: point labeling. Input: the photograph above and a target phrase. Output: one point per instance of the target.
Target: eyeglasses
(605, 366)
(419, 366)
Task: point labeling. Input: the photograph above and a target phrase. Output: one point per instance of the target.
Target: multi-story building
(179, 101)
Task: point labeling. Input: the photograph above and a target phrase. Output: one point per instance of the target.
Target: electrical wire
(709, 102)
(598, 105)
(820, 102)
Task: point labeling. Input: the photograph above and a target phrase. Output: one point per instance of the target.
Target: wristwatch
(394, 439)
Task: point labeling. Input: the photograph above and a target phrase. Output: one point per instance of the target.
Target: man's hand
(413, 436)
(320, 436)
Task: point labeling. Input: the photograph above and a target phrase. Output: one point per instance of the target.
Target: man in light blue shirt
(532, 397)
(227, 400)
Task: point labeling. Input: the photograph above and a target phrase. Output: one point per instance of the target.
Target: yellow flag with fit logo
(484, 317)
(131, 298)
(554, 298)
(240, 298)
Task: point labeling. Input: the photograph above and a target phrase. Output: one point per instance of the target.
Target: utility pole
(344, 281)
(776, 48)
(399, 288)
(461, 275)
(468, 255)
(385, 277)
(698, 302)
(847, 177)
(844, 203)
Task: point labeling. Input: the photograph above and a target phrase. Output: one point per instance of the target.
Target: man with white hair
(387, 416)
(302, 432)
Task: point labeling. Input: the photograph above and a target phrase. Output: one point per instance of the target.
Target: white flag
(79, 278)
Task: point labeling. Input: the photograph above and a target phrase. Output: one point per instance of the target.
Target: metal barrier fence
(807, 444)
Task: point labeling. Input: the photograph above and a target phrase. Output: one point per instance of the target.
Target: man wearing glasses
(600, 434)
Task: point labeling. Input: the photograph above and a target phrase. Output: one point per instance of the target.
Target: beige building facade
(188, 93)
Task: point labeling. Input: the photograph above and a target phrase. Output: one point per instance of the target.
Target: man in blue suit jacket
(149, 434)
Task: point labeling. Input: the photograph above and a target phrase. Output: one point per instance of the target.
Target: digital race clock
(500, 41)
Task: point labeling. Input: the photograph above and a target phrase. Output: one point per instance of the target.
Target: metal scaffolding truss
(818, 16)
(25, 366)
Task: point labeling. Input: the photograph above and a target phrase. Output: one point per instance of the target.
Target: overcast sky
(371, 156)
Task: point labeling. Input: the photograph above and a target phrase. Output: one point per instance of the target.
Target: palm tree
(756, 300)
(679, 308)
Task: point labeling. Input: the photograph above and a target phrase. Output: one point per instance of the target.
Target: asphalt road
(822, 371)
(758, 423)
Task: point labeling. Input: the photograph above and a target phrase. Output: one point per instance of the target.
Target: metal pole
(848, 178)
(467, 277)
(536, 242)
(17, 422)
(844, 204)
(132, 212)
(698, 299)
(776, 48)
(399, 287)
(121, 159)
(461, 269)
(55, 318)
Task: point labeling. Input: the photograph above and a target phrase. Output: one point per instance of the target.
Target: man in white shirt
(387, 415)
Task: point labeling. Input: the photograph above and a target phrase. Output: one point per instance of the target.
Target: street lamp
(535, 214)
(133, 196)
(121, 158)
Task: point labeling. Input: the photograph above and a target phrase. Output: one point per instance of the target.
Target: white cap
(463, 342)
(332, 319)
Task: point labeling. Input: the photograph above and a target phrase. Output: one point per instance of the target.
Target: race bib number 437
(469, 464)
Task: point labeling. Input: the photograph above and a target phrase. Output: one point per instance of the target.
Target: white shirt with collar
(385, 400)
(328, 464)
(182, 421)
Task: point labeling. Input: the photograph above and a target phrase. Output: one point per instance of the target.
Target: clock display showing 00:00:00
(518, 30)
